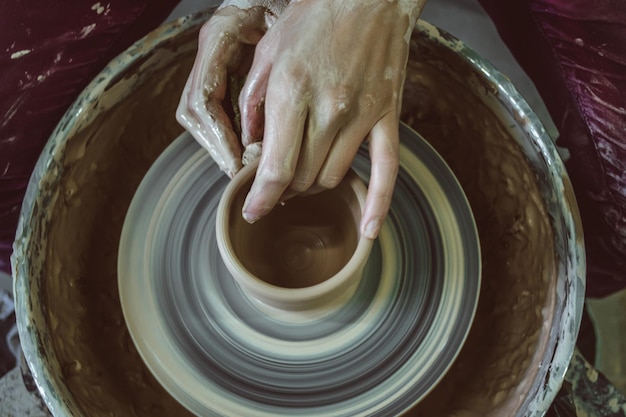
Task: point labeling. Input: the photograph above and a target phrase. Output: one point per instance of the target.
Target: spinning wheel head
(383, 329)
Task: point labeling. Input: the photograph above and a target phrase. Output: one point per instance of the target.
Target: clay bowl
(307, 254)
(66, 251)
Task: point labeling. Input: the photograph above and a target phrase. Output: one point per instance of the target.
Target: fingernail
(249, 217)
(371, 229)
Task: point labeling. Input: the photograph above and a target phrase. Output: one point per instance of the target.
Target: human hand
(225, 47)
(325, 77)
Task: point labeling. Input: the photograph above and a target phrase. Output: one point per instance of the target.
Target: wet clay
(106, 160)
(494, 369)
(104, 164)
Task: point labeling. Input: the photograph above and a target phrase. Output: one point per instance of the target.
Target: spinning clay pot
(307, 253)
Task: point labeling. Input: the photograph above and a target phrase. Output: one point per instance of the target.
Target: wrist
(411, 8)
(273, 6)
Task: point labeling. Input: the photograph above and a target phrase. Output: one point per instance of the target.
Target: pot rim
(297, 299)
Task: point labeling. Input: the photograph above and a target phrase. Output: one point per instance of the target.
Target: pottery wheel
(220, 353)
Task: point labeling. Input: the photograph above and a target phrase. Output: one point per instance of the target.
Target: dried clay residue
(104, 163)
(498, 362)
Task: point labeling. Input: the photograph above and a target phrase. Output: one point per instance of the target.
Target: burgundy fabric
(575, 53)
(49, 51)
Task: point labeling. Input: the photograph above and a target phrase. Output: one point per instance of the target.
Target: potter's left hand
(325, 77)
(224, 46)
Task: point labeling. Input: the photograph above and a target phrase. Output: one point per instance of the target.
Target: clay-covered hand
(225, 48)
(327, 76)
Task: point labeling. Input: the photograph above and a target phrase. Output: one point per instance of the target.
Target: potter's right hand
(326, 77)
(225, 48)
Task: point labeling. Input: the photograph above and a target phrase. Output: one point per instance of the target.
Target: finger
(313, 152)
(252, 96)
(217, 47)
(285, 115)
(312, 159)
(210, 125)
(200, 110)
(209, 135)
(383, 149)
(328, 114)
(341, 155)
